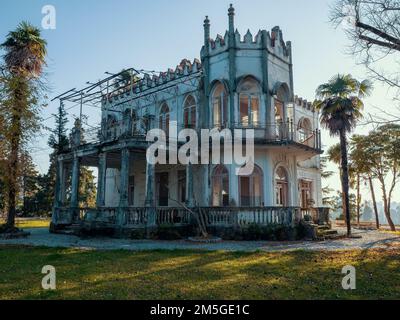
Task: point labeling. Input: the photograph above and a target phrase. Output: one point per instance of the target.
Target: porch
(150, 218)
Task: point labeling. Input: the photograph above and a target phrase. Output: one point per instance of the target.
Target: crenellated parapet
(138, 86)
(274, 42)
(303, 103)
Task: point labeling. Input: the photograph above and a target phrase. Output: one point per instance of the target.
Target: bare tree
(373, 27)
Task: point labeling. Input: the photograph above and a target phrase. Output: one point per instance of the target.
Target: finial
(231, 10)
(206, 21)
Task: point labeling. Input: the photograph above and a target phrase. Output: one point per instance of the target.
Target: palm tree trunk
(15, 148)
(345, 179)
(358, 200)
(371, 186)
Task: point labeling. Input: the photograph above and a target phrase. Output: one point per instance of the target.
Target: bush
(255, 232)
(308, 218)
(138, 234)
(171, 232)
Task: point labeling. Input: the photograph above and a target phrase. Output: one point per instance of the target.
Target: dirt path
(42, 237)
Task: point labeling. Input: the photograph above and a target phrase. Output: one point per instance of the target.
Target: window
(250, 189)
(111, 127)
(220, 183)
(220, 105)
(189, 112)
(281, 187)
(305, 193)
(280, 128)
(164, 118)
(279, 115)
(182, 186)
(304, 129)
(129, 118)
(249, 97)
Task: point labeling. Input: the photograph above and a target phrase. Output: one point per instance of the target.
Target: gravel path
(42, 237)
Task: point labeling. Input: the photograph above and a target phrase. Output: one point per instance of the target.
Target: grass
(30, 223)
(197, 275)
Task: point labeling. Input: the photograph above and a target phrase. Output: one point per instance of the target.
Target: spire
(231, 14)
(207, 33)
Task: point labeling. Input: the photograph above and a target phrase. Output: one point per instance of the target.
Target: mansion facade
(240, 82)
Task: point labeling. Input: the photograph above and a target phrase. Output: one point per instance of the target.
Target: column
(59, 190)
(124, 179)
(189, 186)
(60, 184)
(150, 185)
(101, 184)
(74, 205)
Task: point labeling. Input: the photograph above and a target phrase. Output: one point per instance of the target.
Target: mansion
(239, 82)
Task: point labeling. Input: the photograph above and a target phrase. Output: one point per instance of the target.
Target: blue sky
(94, 36)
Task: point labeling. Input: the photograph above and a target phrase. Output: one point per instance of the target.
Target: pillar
(101, 184)
(75, 183)
(59, 190)
(150, 185)
(74, 205)
(232, 64)
(124, 179)
(150, 196)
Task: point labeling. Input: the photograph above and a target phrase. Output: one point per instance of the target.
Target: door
(162, 189)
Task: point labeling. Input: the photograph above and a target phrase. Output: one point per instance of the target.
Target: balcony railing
(279, 133)
(140, 217)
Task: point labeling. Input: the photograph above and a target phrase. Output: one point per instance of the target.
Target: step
(330, 232)
(333, 236)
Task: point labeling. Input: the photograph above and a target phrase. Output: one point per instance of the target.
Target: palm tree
(24, 58)
(340, 104)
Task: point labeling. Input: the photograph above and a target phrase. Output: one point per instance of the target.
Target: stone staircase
(325, 232)
(73, 229)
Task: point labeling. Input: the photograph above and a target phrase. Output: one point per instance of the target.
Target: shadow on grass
(197, 275)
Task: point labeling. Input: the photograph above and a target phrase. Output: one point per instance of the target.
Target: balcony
(274, 134)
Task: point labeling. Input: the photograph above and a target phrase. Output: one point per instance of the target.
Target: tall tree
(327, 199)
(382, 154)
(340, 106)
(361, 159)
(24, 58)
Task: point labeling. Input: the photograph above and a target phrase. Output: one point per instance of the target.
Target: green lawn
(197, 275)
(30, 223)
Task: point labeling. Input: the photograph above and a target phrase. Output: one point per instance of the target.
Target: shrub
(308, 218)
(171, 232)
(138, 234)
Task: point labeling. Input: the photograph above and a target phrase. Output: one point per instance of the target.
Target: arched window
(220, 105)
(164, 118)
(249, 97)
(281, 187)
(189, 112)
(250, 189)
(281, 99)
(111, 127)
(220, 187)
(128, 118)
(305, 130)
